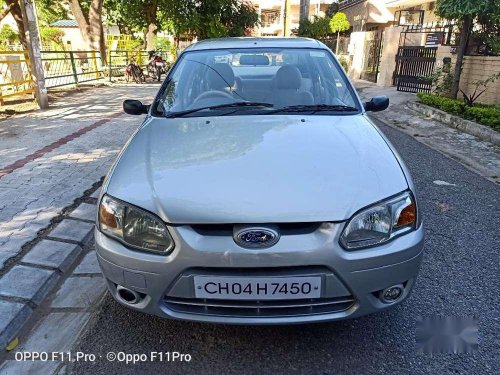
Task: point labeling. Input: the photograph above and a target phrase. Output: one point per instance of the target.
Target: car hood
(256, 169)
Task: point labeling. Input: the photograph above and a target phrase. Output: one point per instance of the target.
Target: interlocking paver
(72, 230)
(79, 292)
(12, 317)
(57, 332)
(85, 211)
(89, 265)
(29, 283)
(53, 254)
(37, 192)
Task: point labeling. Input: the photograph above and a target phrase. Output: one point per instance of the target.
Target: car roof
(250, 42)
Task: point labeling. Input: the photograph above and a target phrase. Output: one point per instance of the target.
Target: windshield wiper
(219, 106)
(316, 108)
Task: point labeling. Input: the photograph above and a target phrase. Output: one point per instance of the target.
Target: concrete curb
(480, 131)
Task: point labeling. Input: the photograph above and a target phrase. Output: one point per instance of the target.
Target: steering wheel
(213, 94)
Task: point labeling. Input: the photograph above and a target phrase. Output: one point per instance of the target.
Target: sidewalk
(49, 159)
(480, 156)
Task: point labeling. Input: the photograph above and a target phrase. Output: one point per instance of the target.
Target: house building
(72, 38)
(282, 17)
(371, 15)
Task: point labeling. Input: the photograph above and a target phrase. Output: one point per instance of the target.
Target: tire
(158, 73)
(137, 74)
(152, 72)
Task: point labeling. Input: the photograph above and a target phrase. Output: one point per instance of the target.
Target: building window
(269, 18)
(409, 17)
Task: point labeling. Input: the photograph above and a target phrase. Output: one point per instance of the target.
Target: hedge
(488, 115)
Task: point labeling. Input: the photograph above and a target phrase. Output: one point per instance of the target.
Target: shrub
(441, 102)
(345, 64)
(484, 114)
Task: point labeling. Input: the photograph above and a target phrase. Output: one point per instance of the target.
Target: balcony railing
(348, 3)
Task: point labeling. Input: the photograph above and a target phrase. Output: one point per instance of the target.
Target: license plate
(159, 64)
(257, 288)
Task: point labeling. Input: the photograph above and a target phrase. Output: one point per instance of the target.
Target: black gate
(414, 65)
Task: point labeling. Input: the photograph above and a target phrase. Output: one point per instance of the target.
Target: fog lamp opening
(392, 293)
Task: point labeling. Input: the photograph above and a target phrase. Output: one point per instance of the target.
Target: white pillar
(33, 38)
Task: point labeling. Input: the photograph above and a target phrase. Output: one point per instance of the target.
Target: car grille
(276, 308)
(286, 229)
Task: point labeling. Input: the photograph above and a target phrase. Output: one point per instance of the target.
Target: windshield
(253, 81)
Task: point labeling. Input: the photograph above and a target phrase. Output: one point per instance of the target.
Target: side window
(184, 86)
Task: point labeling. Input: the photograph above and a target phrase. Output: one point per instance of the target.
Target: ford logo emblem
(255, 237)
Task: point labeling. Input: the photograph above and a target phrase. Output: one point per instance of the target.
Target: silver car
(257, 191)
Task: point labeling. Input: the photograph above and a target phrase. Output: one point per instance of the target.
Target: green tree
(55, 11)
(339, 23)
(13, 7)
(89, 16)
(51, 35)
(210, 19)
(487, 31)
(8, 36)
(465, 12)
(317, 28)
(204, 19)
(332, 9)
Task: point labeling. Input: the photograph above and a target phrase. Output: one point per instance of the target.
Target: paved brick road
(49, 158)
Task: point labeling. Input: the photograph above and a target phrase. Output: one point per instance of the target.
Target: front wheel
(158, 73)
(151, 72)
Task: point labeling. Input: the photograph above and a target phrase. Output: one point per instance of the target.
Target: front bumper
(352, 280)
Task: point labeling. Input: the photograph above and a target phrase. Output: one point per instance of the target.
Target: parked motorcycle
(156, 65)
(134, 71)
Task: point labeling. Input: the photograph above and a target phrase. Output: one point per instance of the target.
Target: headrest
(254, 60)
(288, 77)
(220, 76)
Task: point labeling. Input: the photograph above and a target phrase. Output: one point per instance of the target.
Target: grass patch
(488, 115)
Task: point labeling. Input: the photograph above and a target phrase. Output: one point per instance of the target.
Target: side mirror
(377, 104)
(134, 107)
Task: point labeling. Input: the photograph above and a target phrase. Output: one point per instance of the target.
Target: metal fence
(63, 68)
(15, 77)
(331, 42)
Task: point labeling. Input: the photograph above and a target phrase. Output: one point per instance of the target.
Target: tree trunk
(98, 43)
(150, 38)
(6, 11)
(337, 46)
(90, 26)
(16, 12)
(150, 13)
(464, 39)
(83, 23)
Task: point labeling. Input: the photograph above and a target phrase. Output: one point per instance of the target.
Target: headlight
(380, 223)
(133, 226)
